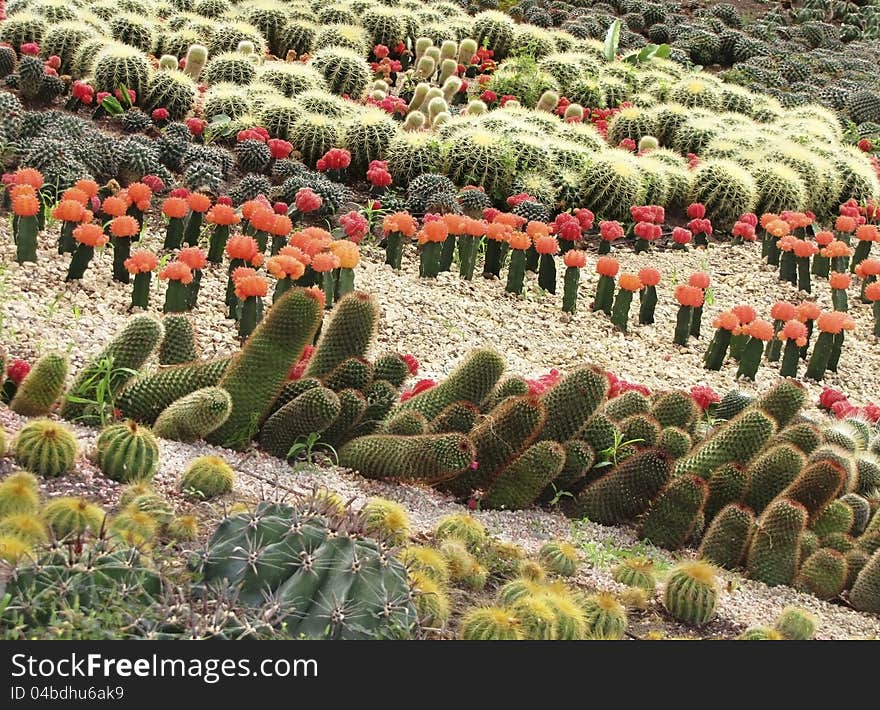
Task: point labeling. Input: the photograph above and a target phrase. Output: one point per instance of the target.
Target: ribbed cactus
(865, 593)
(691, 593)
(775, 550)
(127, 452)
(313, 411)
(626, 490)
(464, 527)
(178, 342)
(306, 563)
(823, 574)
(559, 557)
(256, 376)
(727, 539)
(636, 572)
(491, 623)
(150, 395)
(520, 483)
(73, 517)
(207, 477)
(19, 494)
(770, 473)
(606, 617)
(195, 415)
(386, 520)
(42, 386)
(732, 403)
(672, 517)
(127, 352)
(572, 401)
(46, 448)
(428, 458)
(796, 624)
(348, 333)
(472, 381)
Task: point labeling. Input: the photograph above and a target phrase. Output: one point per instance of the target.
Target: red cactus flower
(704, 396)
(17, 370)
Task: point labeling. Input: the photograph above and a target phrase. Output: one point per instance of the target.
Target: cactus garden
(439, 320)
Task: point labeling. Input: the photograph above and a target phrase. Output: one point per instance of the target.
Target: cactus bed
(309, 313)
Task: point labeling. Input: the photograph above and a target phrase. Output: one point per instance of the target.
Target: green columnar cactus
(348, 334)
(836, 517)
(671, 519)
(19, 494)
(795, 624)
(732, 403)
(627, 490)
(727, 484)
(783, 401)
(127, 452)
(354, 373)
(511, 386)
(579, 459)
(207, 477)
(428, 458)
(559, 557)
(352, 405)
(691, 593)
(816, 486)
(313, 411)
(127, 352)
(727, 539)
(150, 395)
(392, 368)
(405, 424)
(42, 386)
(520, 483)
(775, 549)
(599, 432)
(865, 594)
(641, 429)
(499, 438)
(636, 572)
(861, 510)
(804, 436)
(45, 447)
(572, 401)
(626, 404)
(380, 396)
(194, 416)
(73, 517)
(736, 441)
(305, 562)
(770, 473)
(472, 381)
(676, 409)
(491, 623)
(178, 342)
(257, 375)
(823, 574)
(458, 416)
(674, 441)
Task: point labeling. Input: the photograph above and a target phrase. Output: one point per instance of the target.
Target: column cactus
(607, 269)
(431, 237)
(758, 332)
(690, 298)
(724, 324)
(198, 204)
(781, 312)
(88, 237)
(123, 229)
(222, 217)
(574, 260)
(398, 227)
(649, 278)
(177, 295)
(25, 208)
(628, 285)
(700, 280)
(175, 210)
(518, 243)
(141, 265)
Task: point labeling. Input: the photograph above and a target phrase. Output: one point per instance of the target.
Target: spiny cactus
(836, 517)
(46, 448)
(572, 401)
(463, 527)
(626, 405)
(178, 341)
(727, 539)
(313, 411)
(120, 65)
(27, 527)
(674, 441)
(673, 515)
(255, 378)
(173, 90)
(386, 520)
(73, 517)
(823, 574)
(345, 71)
(354, 373)
(691, 593)
(559, 557)
(520, 483)
(783, 401)
(183, 528)
(804, 436)
(606, 617)
(770, 473)
(127, 452)
(636, 572)
(816, 486)
(865, 593)
(348, 334)
(491, 623)
(19, 494)
(42, 386)
(194, 416)
(427, 562)
(795, 624)
(458, 416)
(429, 458)
(405, 424)
(431, 601)
(775, 550)
(207, 477)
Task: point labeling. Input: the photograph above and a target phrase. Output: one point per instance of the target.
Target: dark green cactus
(347, 334)
(381, 396)
(816, 486)
(691, 593)
(352, 405)
(783, 401)
(738, 441)
(511, 386)
(46, 448)
(641, 429)
(256, 376)
(178, 343)
(676, 409)
(194, 416)
(458, 416)
(520, 483)
(429, 458)
(405, 424)
(599, 432)
(836, 517)
(626, 490)
(313, 411)
(732, 403)
(42, 387)
(353, 373)
(292, 390)
(392, 368)
(127, 452)
(671, 519)
(727, 539)
(727, 484)
(150, 395)
(856, 559)
(823, 574)
(579, 459)
(861, 510)
(626, 404)
(775, 549)
(770, 474)
(805, 436)
(572, 401)
(307, 563)
(127, 352)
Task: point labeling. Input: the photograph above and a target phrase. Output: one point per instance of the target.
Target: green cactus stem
(803, 273)
(217, 243)
(696, 321)
(821, 266)
(570, 289)
(836, 349)
(604, 295)
(344, 282)
(121, 252)
(177, 297)
(140, 292)
(532, 259)
(174, 233)
(818, 361)
(804, 348)
(193, 229)
(192, 290)
(774, 347)
(79, 262)
(251, 314)
(547, 273)
(447, 253)
(791, 357)
(839, 301)
(683, 325)
(328, 286)
(620, 310)
(516, 272)
(860, 253)
(771, 250)
(66, 242)
(750, 358)
(466, 256)
(26, 229)
(647, 304)
(394, 249)
(496, 253)
(717, 351)
(429, 260)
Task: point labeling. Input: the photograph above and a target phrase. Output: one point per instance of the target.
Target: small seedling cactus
(387, 520)
(691, 593)
(559, 557)
(207, 477)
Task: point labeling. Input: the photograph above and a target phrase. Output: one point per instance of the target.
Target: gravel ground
(439, 322)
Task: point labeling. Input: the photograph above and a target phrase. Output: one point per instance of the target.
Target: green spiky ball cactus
(795, 624)
(865, 593)
(45, 447)
(429, 458)
(426, 561)
(207, 477)
(572, 401)
(727, 539)
(627, 489)
(178, 341)
(42, 386)
(387, 520)
(432, 603)
(194, 416)
(520, 483)
(256, 376)
(636, 572)
(464, 567)
(671, 520)
(536, 618)
(172, 90)
(27, 527)
(760, 633)
(183, 528)
(460, 526)
(73, 517)
(823, 574)
(127, 452)
(490, 623)
(726, 189)
(559, 557)
(606, 617)
(127, 352)
(345, 71)
(313, 411)
(691, 593)
(19, 494)
(775, 549)
(120, 65)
